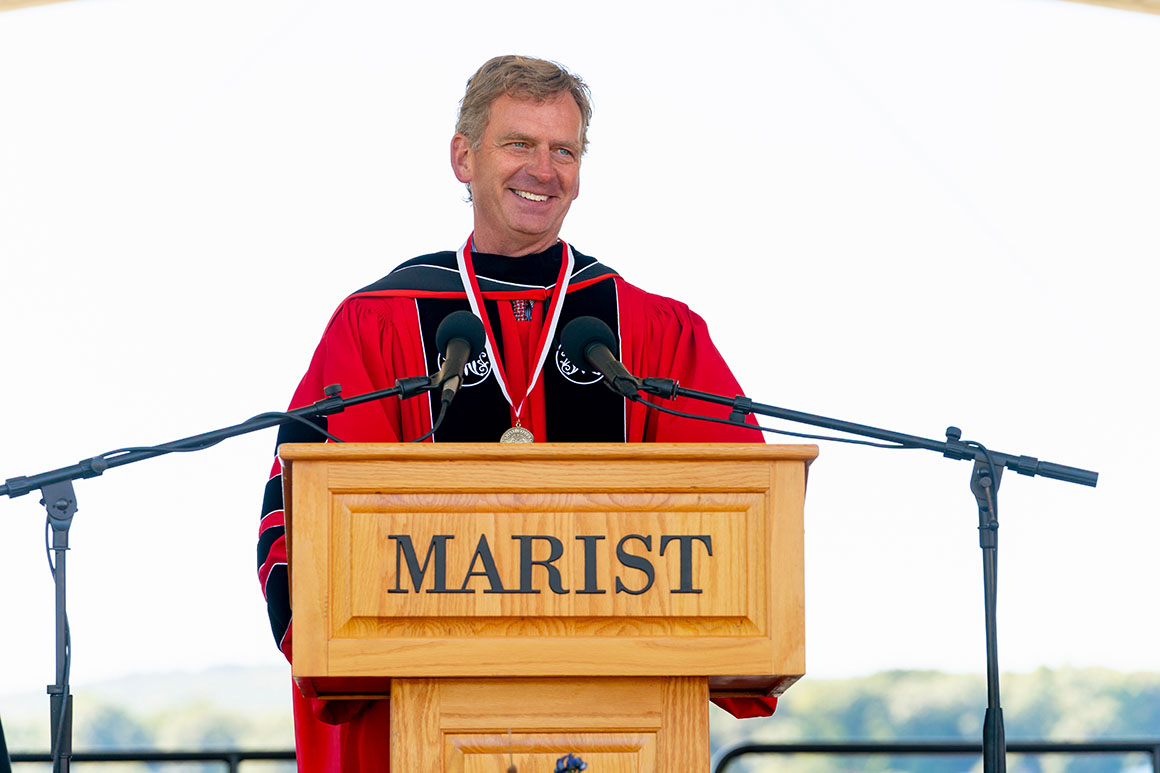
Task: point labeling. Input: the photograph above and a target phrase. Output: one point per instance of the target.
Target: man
(521, 133)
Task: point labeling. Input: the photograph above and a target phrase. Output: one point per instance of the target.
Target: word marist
(535, 563)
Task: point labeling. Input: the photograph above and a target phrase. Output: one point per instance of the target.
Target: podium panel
(621, 725)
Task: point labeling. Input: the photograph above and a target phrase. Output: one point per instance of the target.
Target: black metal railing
(231, 758)
(1150, 747)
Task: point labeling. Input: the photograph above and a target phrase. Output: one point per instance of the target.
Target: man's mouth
(528, 195)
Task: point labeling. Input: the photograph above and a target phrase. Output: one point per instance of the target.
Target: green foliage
(1061, 705)
(108, 728)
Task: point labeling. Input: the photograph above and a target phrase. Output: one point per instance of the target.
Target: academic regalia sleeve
(368, 344)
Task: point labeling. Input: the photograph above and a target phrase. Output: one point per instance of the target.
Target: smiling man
(519, 140)
(523, 172)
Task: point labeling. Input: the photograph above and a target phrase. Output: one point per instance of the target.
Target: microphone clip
(661, 387)
(742, 407)
(411, 386)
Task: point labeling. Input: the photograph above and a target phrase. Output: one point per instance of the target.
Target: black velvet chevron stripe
(291, 432)
(277, 587)
(266, 540)
(278, 602)
(271, 501)
(439, 272)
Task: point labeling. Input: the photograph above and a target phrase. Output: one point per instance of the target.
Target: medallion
(557, 292)
(517, 434)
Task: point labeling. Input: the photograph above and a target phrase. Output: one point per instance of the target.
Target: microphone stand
(984, 484)
(59, 499)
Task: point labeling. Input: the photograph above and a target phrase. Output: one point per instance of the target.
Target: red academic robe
(384, 332)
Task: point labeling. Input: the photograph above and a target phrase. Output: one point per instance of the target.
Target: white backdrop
(903, 213)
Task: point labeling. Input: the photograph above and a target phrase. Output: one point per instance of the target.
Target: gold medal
(517, 434)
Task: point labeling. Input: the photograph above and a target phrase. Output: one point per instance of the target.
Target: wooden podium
(523, 602)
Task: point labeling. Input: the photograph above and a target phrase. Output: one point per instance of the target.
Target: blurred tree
(112, 727)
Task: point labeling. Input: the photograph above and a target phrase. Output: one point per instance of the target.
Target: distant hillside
(247, 690)
(218, 707)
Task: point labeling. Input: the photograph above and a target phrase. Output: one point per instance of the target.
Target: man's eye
(566, 152)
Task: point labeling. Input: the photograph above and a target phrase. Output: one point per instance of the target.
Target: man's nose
(540, 164)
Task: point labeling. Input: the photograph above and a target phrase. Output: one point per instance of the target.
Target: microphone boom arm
(333, 403)
(952, 447)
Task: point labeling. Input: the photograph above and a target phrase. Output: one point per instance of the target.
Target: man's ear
(461, 158)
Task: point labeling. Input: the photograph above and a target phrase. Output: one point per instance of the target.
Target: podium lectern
(518, 603)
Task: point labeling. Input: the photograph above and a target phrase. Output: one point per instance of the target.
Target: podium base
(616, 725)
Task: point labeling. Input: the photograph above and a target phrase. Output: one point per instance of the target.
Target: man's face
(524, 174)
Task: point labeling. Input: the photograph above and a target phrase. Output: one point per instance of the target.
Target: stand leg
(985, 487)
(61, 731)
(5, 760)
(61, 504)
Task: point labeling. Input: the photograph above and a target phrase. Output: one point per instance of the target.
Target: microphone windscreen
(581, 333)
(461, 324)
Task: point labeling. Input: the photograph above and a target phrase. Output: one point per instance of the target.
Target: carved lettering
(686, 543)
(405, 550)
(430, 574)
(526, 563)
(631, 561)
(589, 541)
(483, 554)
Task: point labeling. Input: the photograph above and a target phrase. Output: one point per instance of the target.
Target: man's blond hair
(521, 77)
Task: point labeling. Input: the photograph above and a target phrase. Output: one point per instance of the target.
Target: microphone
(587, 340)
(460, 337)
